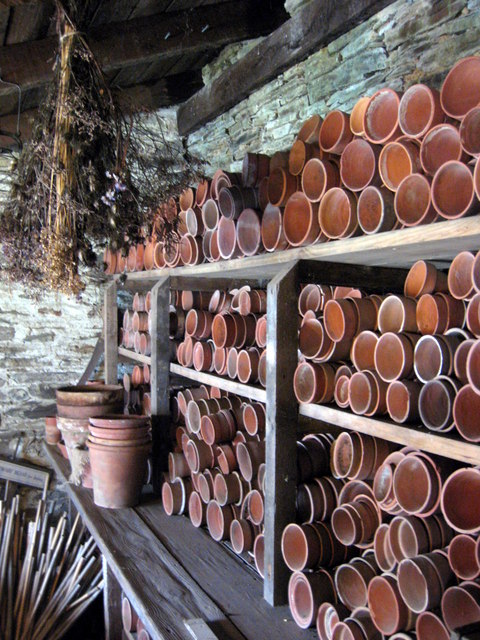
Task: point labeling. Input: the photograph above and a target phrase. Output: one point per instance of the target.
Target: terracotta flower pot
(413, 201)
(460, 283)
(300, 153)
(462, 556)
(227, 239)
(465, 412)
(219, 520)
(337, 214)
(435, 403)
(118, 474)
(314, 383)
(383, 553)
(255, 166)
(393, 356)
(381, 116)
(441, 144)
(367, 393)
(358, 165)
(351, 582)
(327, 617)
(430, 626)
(341, 319)
(281, 185)
(470, 132)
(249, 456)
(249, 234)
(424, 277)
(434, 356)
(233, 200)
(461, 88)
(419, 584)
(318, 177)
(53, 434)
(402, 400)
(242, 534)
(398, 160)
(272, 231)
(375, 210)
(461, 606)
(397, 314)
(335, 132)
(300, 220)
(196, 510)
(460, 504)
(259, 554)
(417, 484)
(389, 612)
(357, 124)
(453, 194)
(310, 129)
(305, 594)
(313, 341)
(419, 110)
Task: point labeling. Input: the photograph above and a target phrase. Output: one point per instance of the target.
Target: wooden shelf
(417, 437)
(132, 355)
(440, 242)
(232, 386)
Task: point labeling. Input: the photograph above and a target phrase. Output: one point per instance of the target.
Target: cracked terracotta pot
(460, 504)
(393, 356)
(453, 194)
(397, 161)
(402, 400)
(420, 110)
(306, 592)
(335, 132)
(375, 210)
(435, 403)
(381, 116)
(318, 177)
(300, 220)
(314, 383)
(337, 214)
(413, 201)
(461, 88)
(281, 185)
(300, 154)
(423, 277)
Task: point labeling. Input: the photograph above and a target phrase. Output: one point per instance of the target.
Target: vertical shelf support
(160, 375)
(110, 329)
(282, 416)
(112, 604)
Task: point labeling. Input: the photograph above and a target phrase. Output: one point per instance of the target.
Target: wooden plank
(414, 436)
(159, 379)
(132, 355)
(232, 386)
(281, 436)
(401, 248)
(199, 630)
(93, 362)
(312, 27)
(375, 279)
(158, 587)
(230, 582)
(119, 44)
(185, 283)
(24, 474)
(112, 604)
(110, 328)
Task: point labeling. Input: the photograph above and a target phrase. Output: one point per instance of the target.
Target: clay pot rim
(89, 394)
(345, 120)
(382, 162)
(445, 167)
(402, 108)
(431, 133)
(448, 79)
(349, 195)
(418, 177)
(377, 94)
(311, 206)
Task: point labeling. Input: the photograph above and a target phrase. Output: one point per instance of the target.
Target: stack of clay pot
(414, 356)
(119, 447)
(137, 389)
(135, 332)
(75, 405)
(131, 621)
(217, 467)
(398, 160)
(225, 332)
(403, 530)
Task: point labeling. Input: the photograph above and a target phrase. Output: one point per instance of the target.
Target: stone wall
(410, 41)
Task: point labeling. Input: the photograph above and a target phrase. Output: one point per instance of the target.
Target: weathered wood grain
(110, 329)
(112, 604)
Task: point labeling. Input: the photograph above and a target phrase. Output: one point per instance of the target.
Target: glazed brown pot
(419, 110)
(118, 474)
(381, 116)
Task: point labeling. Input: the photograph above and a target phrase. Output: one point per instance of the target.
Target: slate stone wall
(408, 42)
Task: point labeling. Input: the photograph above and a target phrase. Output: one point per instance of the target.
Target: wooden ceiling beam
(312, 27)
(131, 42)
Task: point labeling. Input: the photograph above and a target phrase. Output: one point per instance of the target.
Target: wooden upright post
(281, 427)
(160, 376)
(110, 328)
(112, 604)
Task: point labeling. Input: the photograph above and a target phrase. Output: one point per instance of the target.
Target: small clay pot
(460, 505)
(461, 88)
(420, 110)
(413, 201)
(335, 132)
(305, 594)
(358, 165)
(389, 612)
(376, 211)
(381, 116)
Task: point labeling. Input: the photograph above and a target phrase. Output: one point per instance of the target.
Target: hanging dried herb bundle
(87, 178)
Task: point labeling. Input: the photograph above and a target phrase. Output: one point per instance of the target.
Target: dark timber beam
(314, 26)
(122, 44)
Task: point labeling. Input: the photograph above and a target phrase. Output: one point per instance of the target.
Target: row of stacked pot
(386, 541)
(217, 467)
(225, 332)
(395, 161)
(414, 356)
(131, 621)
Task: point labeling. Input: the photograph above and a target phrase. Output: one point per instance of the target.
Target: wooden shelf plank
(420, 438)
(232, 386)
(131, 355)
(401, 248)
(159, 588)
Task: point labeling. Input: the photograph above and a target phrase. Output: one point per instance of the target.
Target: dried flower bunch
(90, 175)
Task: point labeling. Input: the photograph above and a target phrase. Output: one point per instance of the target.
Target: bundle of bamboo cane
(48, 576)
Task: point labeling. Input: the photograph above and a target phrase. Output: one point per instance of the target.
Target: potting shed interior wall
(48, 342)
